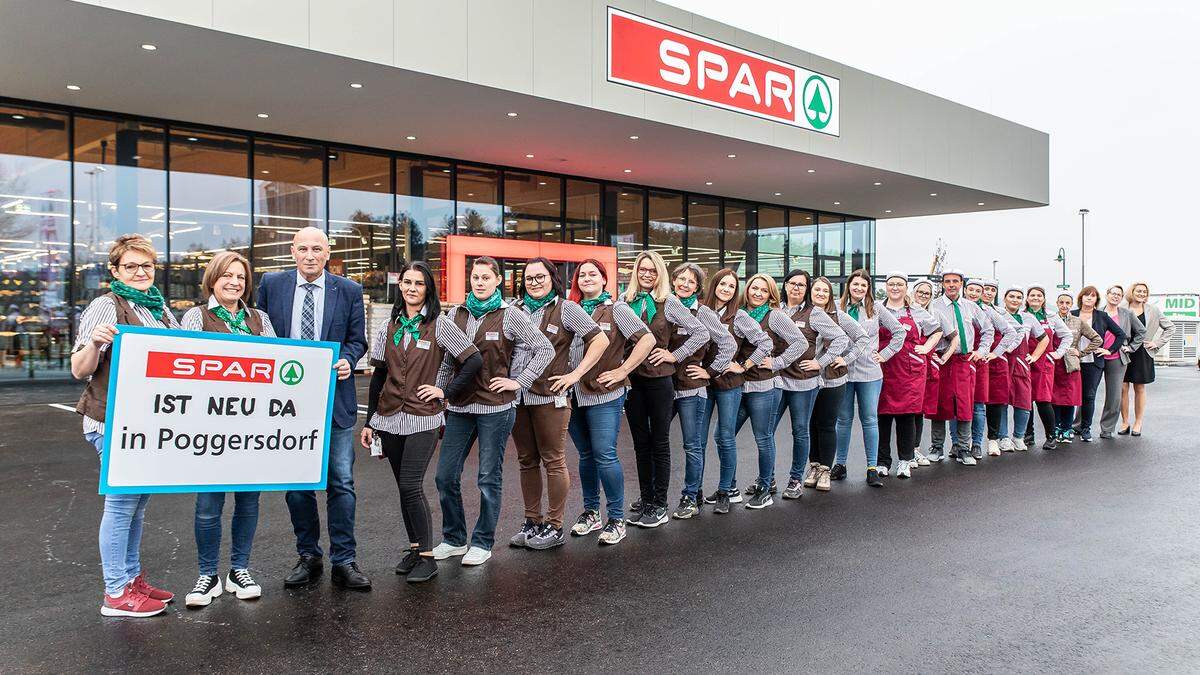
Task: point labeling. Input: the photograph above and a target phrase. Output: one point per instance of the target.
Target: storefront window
(772, 236)
(624, 209)
(360, 220)
(289, 194)
(210, 206)
(666, 226)
(802, 241)
(532, 206)
(35, 242)
(741, 241)
(857, 252)
(425, 211)
(830, 247)
(583, 212)
(478, 208)
(704, 233)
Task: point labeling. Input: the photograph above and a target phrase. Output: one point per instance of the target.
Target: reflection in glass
(802, 241)
(583, 211)
(741, 242)
(289, 194)
(210, 206)
(425, 211)
(857, 249)
(666, 226)
(120, 188)
(772, 235)
(360, 219)
(479, 210)
(830, 245)
(35, 241)
(625, 208)
(532, 206)
(704, 233)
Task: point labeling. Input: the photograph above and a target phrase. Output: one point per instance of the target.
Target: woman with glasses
(800, 389)
(132, 299)
(540, 430)
(1116, 364)
(652, 395)
(1112, 340)
(1032, 344)
(692, 376)
(922, 298)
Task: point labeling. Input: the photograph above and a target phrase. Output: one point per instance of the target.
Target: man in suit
(312, 304)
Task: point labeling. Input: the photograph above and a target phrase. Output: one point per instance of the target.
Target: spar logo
(214, 368)
(818, 108)
(291, 372)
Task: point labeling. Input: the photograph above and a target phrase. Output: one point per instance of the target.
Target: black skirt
(1141, 367)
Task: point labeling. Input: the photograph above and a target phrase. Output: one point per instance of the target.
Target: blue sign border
(114, 373)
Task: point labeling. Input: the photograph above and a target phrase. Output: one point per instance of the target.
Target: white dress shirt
(298, 305)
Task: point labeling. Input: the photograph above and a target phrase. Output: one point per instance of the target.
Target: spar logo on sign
(291, 373)
(660, 58)
(212, 367)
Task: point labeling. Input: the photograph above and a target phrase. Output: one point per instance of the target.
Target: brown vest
(801, 319)
(408, 369)
(833, 372)
(682, 381)
(215, 324)
(757, 374)
(613, 356)
(745, 349)
(560, 338)
(497, 359)
(662, 330)
(94, 400)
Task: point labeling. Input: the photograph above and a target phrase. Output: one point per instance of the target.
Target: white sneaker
(242, 585)
(476, 556)
(922, 459)
(881, 470)
(993, 448)
(1006, 444)
(444, 550)
(206, 588)
(904, 470)
(1019, 445)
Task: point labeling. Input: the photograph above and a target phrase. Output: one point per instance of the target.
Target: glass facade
(71, 181)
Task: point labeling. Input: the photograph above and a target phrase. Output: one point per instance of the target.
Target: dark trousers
(1045, 412)
(339, 504)
(1064, 417)
(995, 412)
(1091, 377)
(906, 437)
(918, 431)
(649, 407)
(409, 456)
(822, 430)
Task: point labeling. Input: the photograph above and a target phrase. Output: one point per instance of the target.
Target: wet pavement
(1083, 559)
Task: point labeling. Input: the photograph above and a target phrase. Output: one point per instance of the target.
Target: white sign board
(214, 412)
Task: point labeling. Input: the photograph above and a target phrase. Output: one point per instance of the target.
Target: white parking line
(61, 407)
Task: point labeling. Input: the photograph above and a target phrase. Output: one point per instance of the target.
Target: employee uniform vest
(613, 356)
(833, 372)
(802, 321)
(95, 396)
(497, 358)
(215, 324)
(660, 328)
(407, 369)
(678, 337)
(745, 349)
(560, 338)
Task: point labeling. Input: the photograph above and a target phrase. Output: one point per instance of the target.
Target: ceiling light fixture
(410, 138)
(837, 203)
(731, 155)
(264, 171)
(18, 117)
(263, 116)
(633, 138)
(877, 183)
(73, 87)
(193, 139)
(778, 194)
(628, 170)
(528, 156)
(149, 47)
(708, 182)
(512, 114)
(812, 170)
(932, 194)
(979, 204)
(356, 85)
(888, 211)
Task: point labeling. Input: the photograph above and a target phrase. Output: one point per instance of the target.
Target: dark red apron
(1042, 371)
(956, 389)
(1068, 387)
(998, 369)
(981, 374)
(1020, 387)
(933, 376)
(903, 391)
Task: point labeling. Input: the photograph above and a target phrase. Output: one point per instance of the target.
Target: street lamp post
(1062, 260)
(1083, 247)
(994, 271)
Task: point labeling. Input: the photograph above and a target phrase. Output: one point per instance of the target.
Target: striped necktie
(308, 314)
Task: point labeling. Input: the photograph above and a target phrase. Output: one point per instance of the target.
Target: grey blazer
(1159, 328)
(1134, 329)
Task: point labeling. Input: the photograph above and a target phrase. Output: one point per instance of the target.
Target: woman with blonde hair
(651, 399)
(1068, 381)
(1140, 372)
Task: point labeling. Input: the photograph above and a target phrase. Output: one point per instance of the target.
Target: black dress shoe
(349, 576)
(1123, 432)
(426, 569)
(307, 570)
(838, 472)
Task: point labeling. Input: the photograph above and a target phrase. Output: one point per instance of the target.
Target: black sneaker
(207, 587)
(735, 495)
(1050, 444)
(242, 585)
(1085, 436)
(722, 503)
(774, 488)
(761, 498)
(408, 562)
(425, 569)
(528, 531)
(750, 490)
(653, 516)
(548, 536)
(873, 478)
(710, 498)
(634, 514)
(687, 508)
(838, 472)
(794, 489)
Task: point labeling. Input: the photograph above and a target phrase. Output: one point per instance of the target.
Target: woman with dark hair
(1041, 371)
(725, 390)
(406, 400)
(540, 432)
(1068, 383)
(1006, 339)
(1112, 340)
(800, 389)
(599, 397)
(1116, 364)
(483, 410)
(1034, 342)
(922, 298)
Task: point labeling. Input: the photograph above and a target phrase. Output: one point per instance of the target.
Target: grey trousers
(962, 437)
(1114, 375)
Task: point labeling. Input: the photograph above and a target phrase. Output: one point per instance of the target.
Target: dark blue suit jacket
(342, 321)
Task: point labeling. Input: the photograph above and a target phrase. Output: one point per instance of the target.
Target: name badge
(491, 335)
(906, 327)
(682, 331)
(605, 327)
(560, 401)
(801, 324)
(422, 344)
(552, 329)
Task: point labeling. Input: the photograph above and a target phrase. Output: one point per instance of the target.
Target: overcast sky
(1113, 83)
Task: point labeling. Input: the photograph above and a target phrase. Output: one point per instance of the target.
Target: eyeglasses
(536, 279)
(644, 272)
(132, 268)
(795, 284)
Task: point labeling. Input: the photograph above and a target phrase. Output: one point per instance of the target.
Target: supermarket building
(396, 125)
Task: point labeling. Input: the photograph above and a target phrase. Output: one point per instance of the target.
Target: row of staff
(715, 352)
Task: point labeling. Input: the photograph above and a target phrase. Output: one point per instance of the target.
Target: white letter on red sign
(184, 366)
(784, 90)
(703, 60)
(743, 83)
(667, 50)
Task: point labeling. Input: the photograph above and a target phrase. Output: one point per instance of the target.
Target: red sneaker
(131, 602)
(141, 585)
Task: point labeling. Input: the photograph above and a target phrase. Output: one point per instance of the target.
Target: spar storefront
(596, 131)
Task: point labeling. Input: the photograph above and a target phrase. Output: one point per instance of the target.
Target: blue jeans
(120, 533)
(695, 433)
(800, 403)
(1020, 421)
(978, 425)
(339, 504)
(867, 394)
(727, 403)
(208, 529)
(761, 407)
(593, 430)
(462, 430)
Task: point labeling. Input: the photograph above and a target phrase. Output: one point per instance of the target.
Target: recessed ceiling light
(528, 156)
(708, 182)
(193, 139)
(263, 115)
(470, 194)
(332, 156)
(512, 114)
(812, 170)
(137, 157)
(731, 155)
(18, 117)
(410, 138)
(541, 182)
(550, 203)
(979, 204)
(878, 183)
(777, 194)
(73, 87)
(624, 194)
(628, 170)
(149, 47)
(356, 85)
(932, 194)
(445, 170)
(378, 184)
(633, 138)
(837, 203)
(888, 211)
(264, 171)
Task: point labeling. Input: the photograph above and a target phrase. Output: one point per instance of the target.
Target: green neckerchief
(1017, 316)
(689, 301)
(853, 311)
(237, 324)
(478, 307)
(404, 324)
(962, 330)
(151, 299)
(590, 304)
(757, 313)
(643, 303)
(979, 302)
(1040, 314)
(534, 304)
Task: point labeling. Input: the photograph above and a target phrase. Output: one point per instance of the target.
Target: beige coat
(1079, 332)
